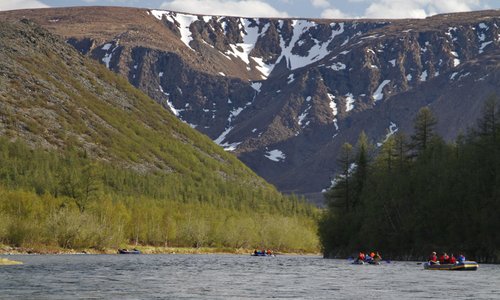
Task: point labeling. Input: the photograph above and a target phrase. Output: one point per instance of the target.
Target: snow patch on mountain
(182, 21)
(456, 60)
(349, 102)
(483, 26)
(378, 94)
(333, 105)
(256, 86)
(242, 50)
(109, 48)
(423, 76)
(222, 137)
(106, 46)
(483, 45)
(293, 60)
(303, 116)
(338, 66)
(275, 155)
(175, 111)
(393, 128)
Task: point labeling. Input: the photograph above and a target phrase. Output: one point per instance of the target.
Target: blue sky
(283, 8)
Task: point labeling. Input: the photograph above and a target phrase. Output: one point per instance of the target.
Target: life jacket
(433, 258)
(441, 259)
(361, 256)
(446, 259)
(453, 260)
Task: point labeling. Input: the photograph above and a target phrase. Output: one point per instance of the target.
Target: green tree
(424, 124)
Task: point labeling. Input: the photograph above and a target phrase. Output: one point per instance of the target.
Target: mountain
(53, 98)
(285, 94)
(89, 161)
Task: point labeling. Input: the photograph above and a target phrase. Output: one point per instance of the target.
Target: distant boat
(126, 251)
(460, 266)
(259, 253)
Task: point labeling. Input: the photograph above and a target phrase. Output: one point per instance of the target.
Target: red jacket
(453, 260)
(433, 258)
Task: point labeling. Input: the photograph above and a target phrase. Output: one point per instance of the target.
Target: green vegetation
(419, 194)
(89, 161)
(72, 201)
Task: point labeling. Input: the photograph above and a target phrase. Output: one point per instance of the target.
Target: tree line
(69, 200)
(418, 194)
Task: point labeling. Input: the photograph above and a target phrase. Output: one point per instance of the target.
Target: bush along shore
(66, 200)
(45, 250)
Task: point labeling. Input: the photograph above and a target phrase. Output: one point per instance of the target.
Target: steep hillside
(284, 94)
(56, 99)
(87, 160)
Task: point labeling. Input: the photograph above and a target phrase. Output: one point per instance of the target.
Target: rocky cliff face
(284, 94)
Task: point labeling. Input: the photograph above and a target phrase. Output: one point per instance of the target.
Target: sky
(283, 8)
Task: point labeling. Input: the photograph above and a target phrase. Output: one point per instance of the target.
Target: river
(235, 277)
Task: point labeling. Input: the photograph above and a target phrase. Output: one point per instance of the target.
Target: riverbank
(47, 250)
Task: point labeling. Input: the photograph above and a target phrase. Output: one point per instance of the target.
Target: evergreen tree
(340, 193)
(490, 119)
(360, 173)
(424, 124)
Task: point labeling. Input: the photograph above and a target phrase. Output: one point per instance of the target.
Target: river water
(235, 277)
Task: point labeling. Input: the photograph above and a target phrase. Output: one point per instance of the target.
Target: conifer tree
(424, 124)
(360, 174)
(490, 119)
(340, 193)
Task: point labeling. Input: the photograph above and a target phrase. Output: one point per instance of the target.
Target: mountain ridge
(282, 92)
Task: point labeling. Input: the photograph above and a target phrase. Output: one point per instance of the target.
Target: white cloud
(20, 4)
(333, 13)
(417, 8)
(320, 3)
(245, 8)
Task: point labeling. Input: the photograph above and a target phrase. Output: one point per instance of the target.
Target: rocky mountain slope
(52, 97)
(284, 94)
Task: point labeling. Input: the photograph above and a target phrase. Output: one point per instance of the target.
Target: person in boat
(369, 257)
(433, 258)
(444, 258)
(453, 260)
(256, 252)
(377, 257)
(269, 252)
(461, 258)
(361, 257)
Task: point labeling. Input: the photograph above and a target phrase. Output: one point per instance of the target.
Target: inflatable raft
(125, 251)
(461, 266)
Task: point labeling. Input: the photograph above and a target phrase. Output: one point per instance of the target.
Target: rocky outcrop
(284, 94)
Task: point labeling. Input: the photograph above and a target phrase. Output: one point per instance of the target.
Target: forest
(416, 194)
(69, 200)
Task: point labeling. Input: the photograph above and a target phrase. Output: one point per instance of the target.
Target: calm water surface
(235, 277)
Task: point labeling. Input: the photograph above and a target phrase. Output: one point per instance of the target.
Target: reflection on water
(235, 276)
